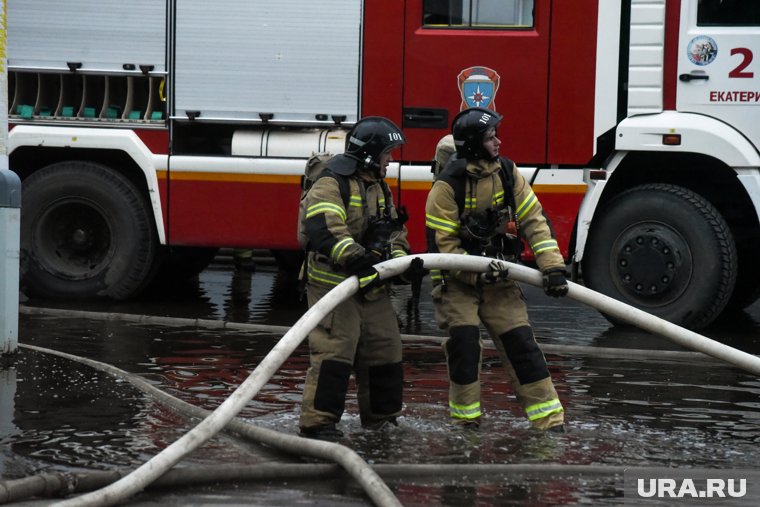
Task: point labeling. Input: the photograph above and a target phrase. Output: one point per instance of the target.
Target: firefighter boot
(463, 356)
(534, 388)
(327, 432)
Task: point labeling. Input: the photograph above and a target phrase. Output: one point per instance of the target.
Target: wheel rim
(652, 263)
(73, 240)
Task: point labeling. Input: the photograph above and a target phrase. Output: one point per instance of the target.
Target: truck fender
(587, 209)
(699, 134)
(104, 139)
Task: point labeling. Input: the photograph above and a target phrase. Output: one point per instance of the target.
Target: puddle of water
(619, 412)
(628, 413)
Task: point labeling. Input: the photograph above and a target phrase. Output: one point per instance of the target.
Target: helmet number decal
(395, 137)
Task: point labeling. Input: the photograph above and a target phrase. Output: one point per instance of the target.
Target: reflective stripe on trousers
(471, 411)
(545, 409)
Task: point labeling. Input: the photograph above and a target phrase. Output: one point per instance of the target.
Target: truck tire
(86, 232)
(665, 250)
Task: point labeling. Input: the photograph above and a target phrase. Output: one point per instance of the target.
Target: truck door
(719, 62)
(485, 53)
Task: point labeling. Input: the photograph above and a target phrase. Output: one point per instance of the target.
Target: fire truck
(149, 133)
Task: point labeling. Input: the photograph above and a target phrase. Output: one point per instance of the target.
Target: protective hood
(343, 164)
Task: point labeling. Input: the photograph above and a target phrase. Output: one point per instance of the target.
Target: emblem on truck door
(702, 50)
(478, 86)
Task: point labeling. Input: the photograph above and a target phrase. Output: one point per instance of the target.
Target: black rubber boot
(327, 432)
(381, 424)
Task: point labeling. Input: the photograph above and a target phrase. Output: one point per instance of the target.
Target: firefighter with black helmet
(480, 204)
(351, 224)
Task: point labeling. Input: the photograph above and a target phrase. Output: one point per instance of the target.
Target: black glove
(368, 279)
(362, 268)
(555, 283)
(363, 263)
(415, 272)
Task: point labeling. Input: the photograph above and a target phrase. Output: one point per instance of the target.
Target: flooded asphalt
(61, 416)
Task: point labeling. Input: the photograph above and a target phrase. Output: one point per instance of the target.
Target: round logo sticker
(702, 50)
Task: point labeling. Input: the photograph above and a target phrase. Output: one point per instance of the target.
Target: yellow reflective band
(541, 410)
(397, 253)
(381, 203)
(356, 201)
(366, 280)
(471, 411)
(526, 205)
(325, 277)
(441, 224)
(498, 198)
(324, 207)
(436, 274)
(543, 246)
(470, 202)
(339, 248)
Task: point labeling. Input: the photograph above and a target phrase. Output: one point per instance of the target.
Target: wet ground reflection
(629, 413)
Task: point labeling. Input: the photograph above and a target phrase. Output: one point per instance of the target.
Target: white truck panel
(645, 69)
(295, 59)
(699, 134)
(607, 63)
(728, 90)
(102, 35)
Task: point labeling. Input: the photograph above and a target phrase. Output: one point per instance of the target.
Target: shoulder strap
(506, 170)
(508, 181)
(454, 175)
(343, 185)
(386, 194)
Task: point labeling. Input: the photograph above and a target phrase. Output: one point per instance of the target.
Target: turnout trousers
(358, 336)
(500, 306)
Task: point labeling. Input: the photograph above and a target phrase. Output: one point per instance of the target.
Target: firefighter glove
(368, 279)
(555, 283)
(415, 272)
(358, 264)
(496, 272)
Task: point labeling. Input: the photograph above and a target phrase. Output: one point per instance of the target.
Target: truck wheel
(746, 291)
(665, 250)
(86, 232)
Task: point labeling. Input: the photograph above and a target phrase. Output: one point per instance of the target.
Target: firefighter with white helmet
(480, 204)
(351, 224)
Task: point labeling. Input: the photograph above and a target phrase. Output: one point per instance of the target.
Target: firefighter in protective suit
(481, 205)
(352, 224)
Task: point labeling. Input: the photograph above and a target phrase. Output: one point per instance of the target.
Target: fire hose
(380, 493)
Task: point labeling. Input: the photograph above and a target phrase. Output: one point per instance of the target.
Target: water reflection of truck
(149, 133)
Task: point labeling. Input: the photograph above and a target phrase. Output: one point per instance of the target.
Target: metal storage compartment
(100, 35)
(295, 60)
